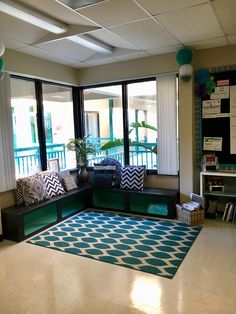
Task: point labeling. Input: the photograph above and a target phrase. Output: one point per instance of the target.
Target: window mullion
(125, 123)
(41, 126)
(78, 103)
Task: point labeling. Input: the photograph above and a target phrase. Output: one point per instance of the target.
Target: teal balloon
(202, 76)
(1, 65)
(184, 56)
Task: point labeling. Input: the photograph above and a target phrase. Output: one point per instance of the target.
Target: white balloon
(2, 48)
(185, 72)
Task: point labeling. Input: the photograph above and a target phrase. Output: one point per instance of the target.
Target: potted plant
(82, 148)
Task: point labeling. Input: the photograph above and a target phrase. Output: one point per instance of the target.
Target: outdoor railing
(28, 158)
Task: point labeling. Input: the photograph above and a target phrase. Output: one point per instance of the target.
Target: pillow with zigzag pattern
(53, 185)
(132, 178)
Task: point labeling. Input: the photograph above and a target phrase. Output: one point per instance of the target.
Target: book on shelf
(225, 211)
(229, 212)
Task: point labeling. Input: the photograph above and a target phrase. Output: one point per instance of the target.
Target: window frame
(78, 111)
(38, 84)
(124, 98)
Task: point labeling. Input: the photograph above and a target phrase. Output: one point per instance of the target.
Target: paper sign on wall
(212, 143)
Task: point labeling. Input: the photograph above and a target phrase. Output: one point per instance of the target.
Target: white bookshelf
(228, 179)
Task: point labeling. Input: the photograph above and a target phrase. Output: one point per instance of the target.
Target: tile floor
(38, 280)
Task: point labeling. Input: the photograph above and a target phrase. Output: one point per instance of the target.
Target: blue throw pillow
(113, 162)
(103, 176)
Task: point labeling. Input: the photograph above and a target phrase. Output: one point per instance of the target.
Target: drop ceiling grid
(197, 22)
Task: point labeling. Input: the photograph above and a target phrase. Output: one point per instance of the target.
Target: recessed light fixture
(77, 4)
(27, 14)
(34, 17)
(92, 43)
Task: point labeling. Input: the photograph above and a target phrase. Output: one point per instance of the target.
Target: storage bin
(192, 218)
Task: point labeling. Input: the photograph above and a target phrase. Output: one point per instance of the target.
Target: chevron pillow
(53, 185)
(132, 178)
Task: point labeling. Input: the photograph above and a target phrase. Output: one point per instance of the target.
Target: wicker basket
(192, 218)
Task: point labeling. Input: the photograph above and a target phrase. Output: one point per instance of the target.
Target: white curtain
(7, 165)
(167, 125)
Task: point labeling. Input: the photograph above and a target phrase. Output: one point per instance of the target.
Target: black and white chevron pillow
(132, 178)
(53, 185)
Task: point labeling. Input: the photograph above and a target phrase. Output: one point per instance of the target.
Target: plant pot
(83, 175)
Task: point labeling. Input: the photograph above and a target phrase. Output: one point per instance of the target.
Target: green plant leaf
(82, 148)
(112, 144)
(120, 142)
(142, 124)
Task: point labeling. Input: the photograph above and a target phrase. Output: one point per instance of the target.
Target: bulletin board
(218, 119)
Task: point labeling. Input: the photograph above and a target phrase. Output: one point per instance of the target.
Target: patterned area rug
(155, 246)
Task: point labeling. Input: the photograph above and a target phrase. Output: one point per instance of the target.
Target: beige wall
(143, 67)
(214, 57)
(25, 64)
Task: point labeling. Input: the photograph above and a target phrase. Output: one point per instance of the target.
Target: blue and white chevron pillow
(132, 177)
(53, 185)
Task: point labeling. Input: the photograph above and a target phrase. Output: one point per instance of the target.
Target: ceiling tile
(146, 34)
(161, 6)
(68, 49)
(59, 11)
(131, 55)
(167, 49)
(111, 39)
(113, 12)
(192, 24)
(51, 56)
(99, 61)
(225, 10)
(232, 39)
(19, 30)
(12, 43)
(209, 43)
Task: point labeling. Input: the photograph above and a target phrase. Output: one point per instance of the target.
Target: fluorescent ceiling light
(77, 4)
(92, 43)
(26, 14)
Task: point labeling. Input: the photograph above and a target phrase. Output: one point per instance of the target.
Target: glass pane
(142, 124)
(25, 130)
(104, 122)
(59, 124)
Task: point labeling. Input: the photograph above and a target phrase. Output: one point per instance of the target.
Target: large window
(134, 122)
(43, 122)
(25, 129)
(58, 123)
(103, 116)
(142, 117)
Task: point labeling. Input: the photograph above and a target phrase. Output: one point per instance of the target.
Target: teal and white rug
(155, 246)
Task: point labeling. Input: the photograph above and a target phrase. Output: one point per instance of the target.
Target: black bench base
(20, 223)
(146, 202)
